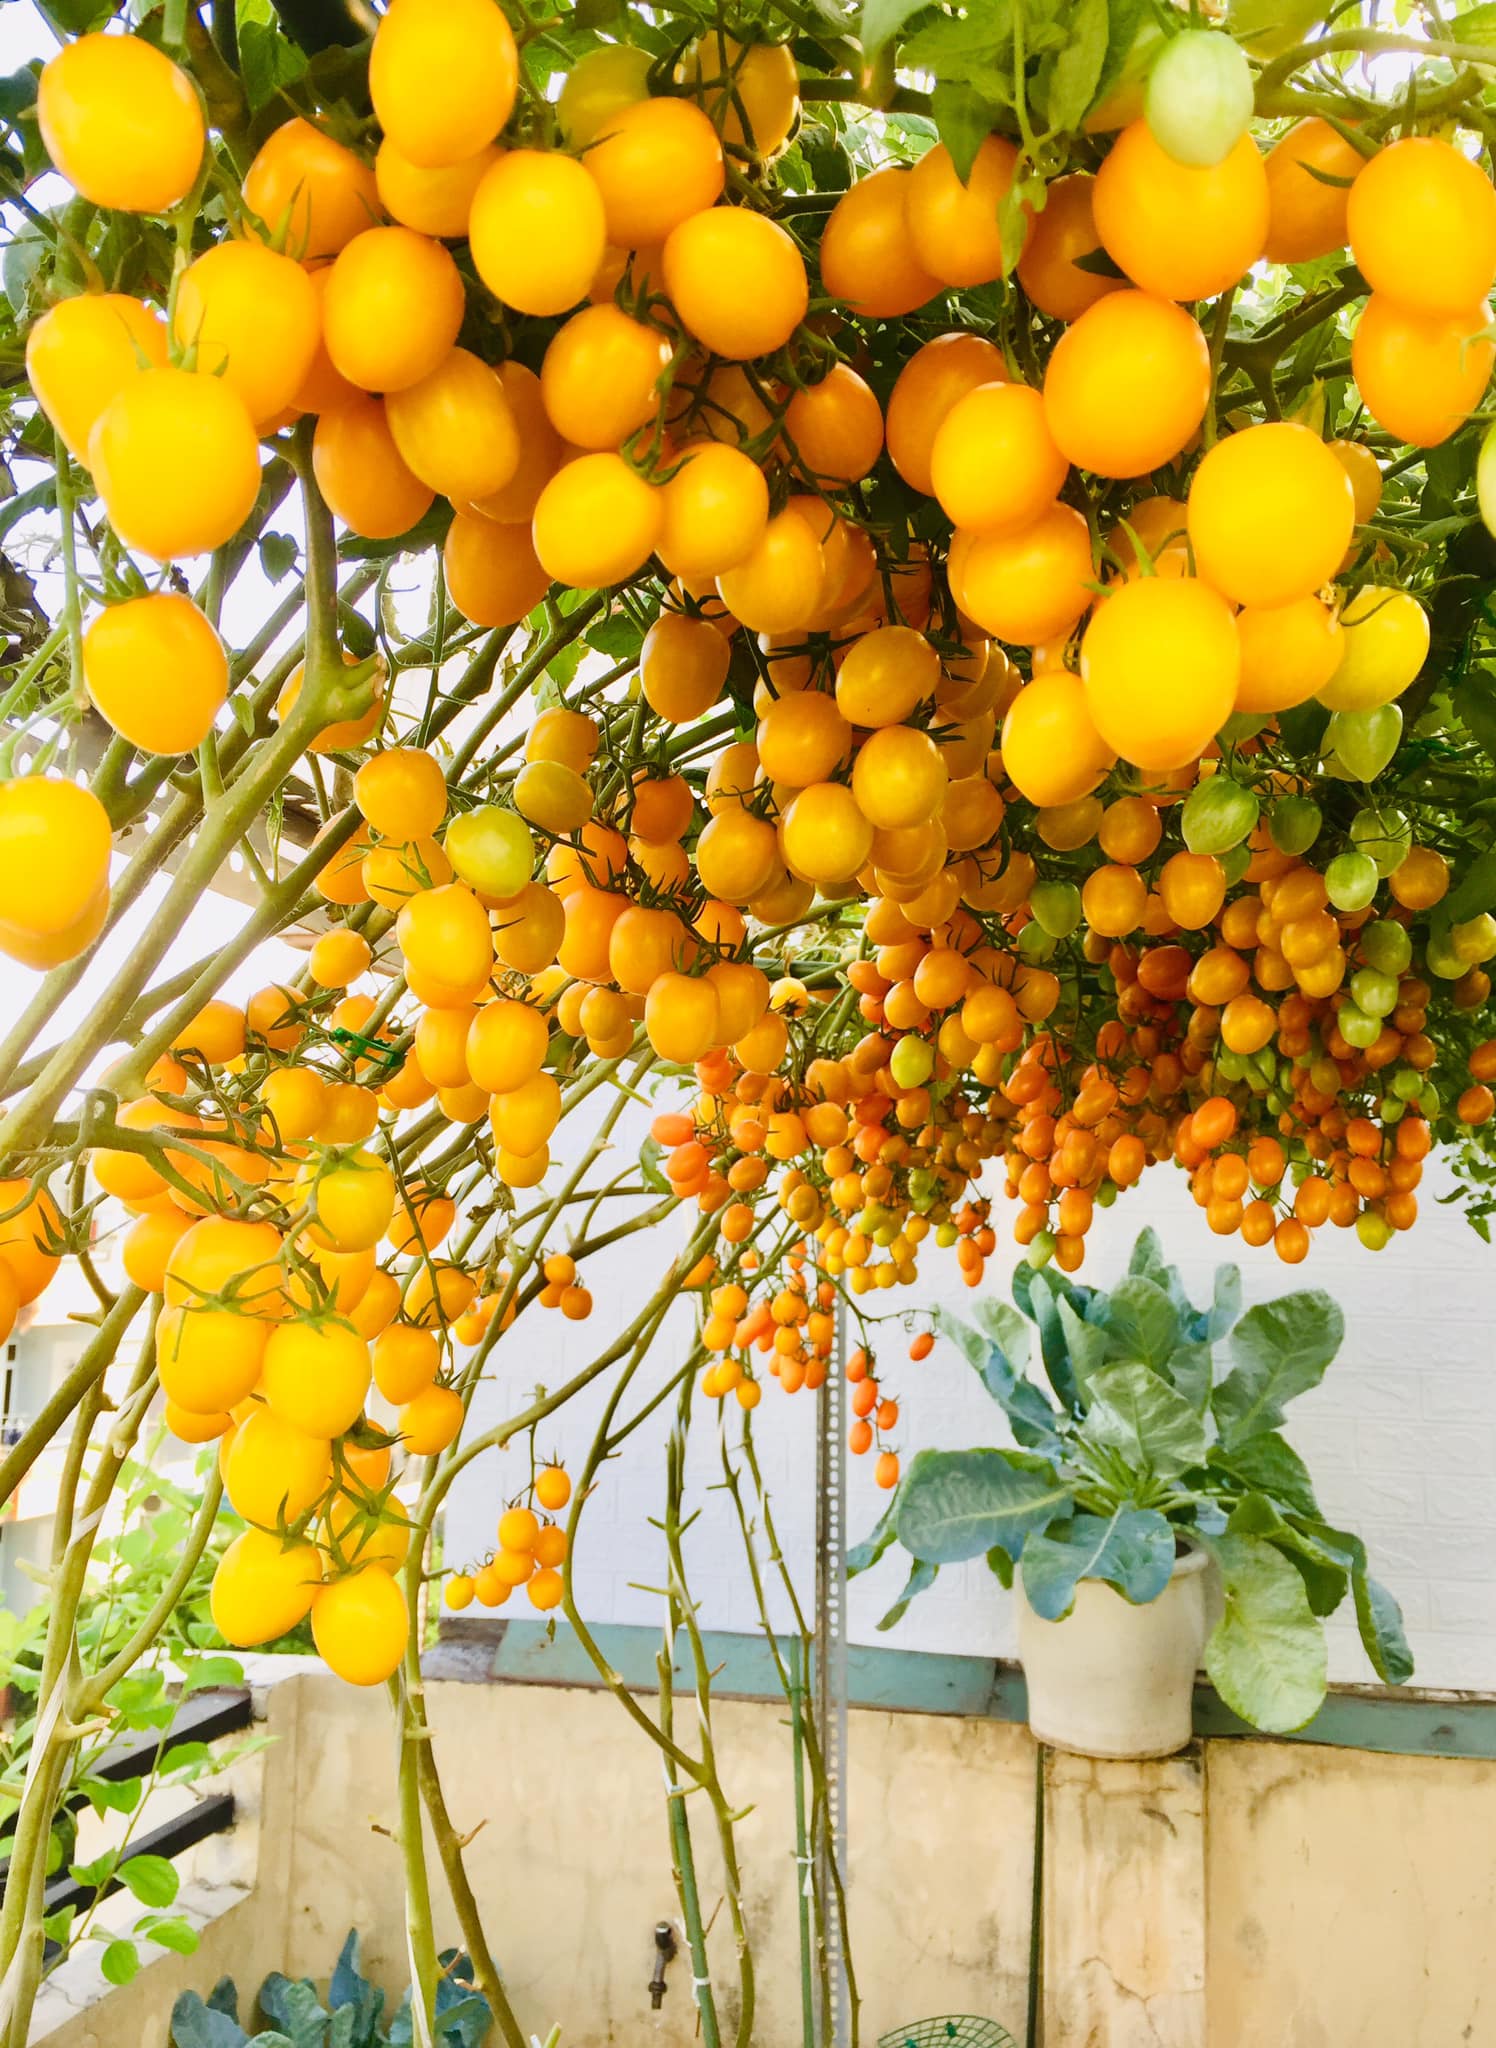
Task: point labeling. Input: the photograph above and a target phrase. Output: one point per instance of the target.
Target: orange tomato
(1127, 385)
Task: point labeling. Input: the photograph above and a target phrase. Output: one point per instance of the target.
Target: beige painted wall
(1253, 1895)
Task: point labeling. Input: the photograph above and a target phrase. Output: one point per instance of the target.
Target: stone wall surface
(1246, 1894)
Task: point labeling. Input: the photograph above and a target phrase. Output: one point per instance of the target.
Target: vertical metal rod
(831, 1674)
(803, 1879)
(1036, 1909)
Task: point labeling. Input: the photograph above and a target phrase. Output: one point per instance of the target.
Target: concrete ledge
(1391, 1720)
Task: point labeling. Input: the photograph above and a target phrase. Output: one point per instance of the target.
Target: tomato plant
(912, 592)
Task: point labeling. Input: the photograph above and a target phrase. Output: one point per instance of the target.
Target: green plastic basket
(963, 2030)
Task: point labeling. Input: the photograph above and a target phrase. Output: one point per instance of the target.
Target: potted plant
(1151, 1509)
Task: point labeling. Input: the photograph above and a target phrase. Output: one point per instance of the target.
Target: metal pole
(831, 1676)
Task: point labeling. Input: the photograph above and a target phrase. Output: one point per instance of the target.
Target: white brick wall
(1401, 1438)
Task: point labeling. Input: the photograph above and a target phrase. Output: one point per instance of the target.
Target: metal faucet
(664, 1936)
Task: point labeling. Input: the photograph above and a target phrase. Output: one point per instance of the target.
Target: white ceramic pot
(1112, 1679)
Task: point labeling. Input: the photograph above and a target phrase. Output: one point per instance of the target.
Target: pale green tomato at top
(912, 1061)
(1199, 97)
(1363, 742)
(597, 86)
(1385, 836)
(492, 850)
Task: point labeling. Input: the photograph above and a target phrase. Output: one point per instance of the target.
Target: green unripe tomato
(1294, 824)
(1374, 1231)
(912, 1061)
(1106, 1194)
(1056, 907)
(1356, 1028)
(1199, 97)
(1231, 1066)
(1429, 1100)
(1392, 1110)
(945, 1235)
(1034, 943)
(1218, 813)
(1041, 1248)
(1384, 835)
(1277, 1101)
(1365, 741)
(491, 849)
(1385, 945)
(1234, 863)
(1407, 1084)
(1374, 993)
(1351, 879)
(1441, 959)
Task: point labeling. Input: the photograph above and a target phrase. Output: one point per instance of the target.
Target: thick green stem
(469, 1919)
(89, 1370)
(420, 1934)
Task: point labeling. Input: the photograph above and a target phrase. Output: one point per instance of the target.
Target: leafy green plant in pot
(1152, 1506)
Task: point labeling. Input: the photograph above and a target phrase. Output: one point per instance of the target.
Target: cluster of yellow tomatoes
(1007, 849)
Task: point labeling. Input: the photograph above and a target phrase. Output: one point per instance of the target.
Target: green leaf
(1124, 18)
(1190, 1369)
(1045, 1291)
(1032, 1418)
(1280, 1349)
(1085, 1342)
(864, 1555)
(920, 1579)
(195, 2025)
(974, 1347)
(1476, 24)
(1324, 1566)
(105, 1796)
(1139, 1415)
(617, 635)
(1269, 1464)
(651, 1152)
(202, 1672)
(120, 1961)
(152, 1879)
(880, 21)
(1001, 1566)
(58, 1926)
(1004, 1326)
(1476, 703)
(78, 17)
(94, 1874)
(293, 2004)
(278, 552)
(963, 121)
(1132, 1549)
(1266, 1655)
(974, 49)
(1225, 1306)
(1147, 1257)
(268, 59)
(176, 1935)
(1141, 1321)
(959, 1504)
(1379, 1619)
(1475, 891)
(1074, 70)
